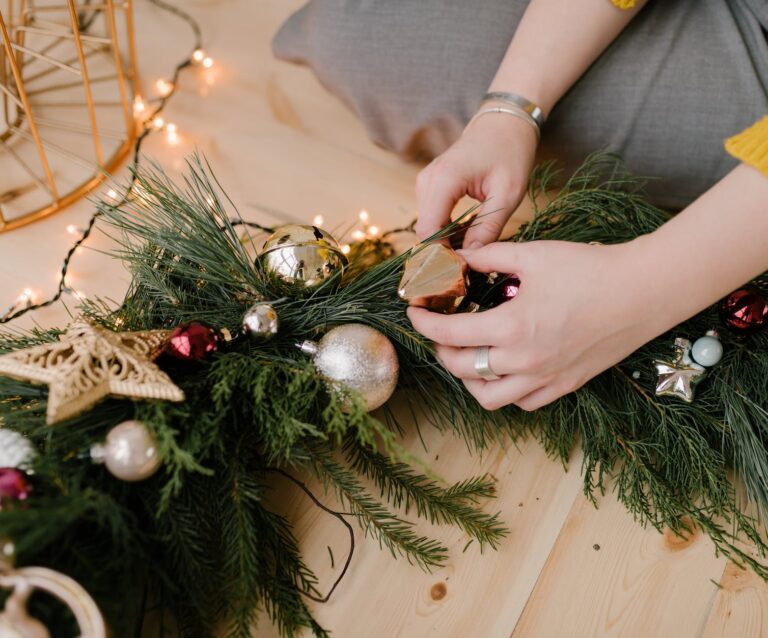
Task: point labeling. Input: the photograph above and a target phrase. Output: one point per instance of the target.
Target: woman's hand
(490, 162)
(580, 310)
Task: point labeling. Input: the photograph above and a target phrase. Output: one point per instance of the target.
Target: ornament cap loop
(308, 347)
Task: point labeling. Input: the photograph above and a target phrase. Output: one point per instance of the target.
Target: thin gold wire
(28, 110)
(15, 55)
(86, 83)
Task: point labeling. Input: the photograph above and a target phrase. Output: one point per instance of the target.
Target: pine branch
(392, 532)
(402, 487)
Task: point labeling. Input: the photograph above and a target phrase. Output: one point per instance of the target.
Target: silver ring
(483, 364)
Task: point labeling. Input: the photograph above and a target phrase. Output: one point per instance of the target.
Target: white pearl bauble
(359, 358)
(130, 452)
(707, 351)
(16, 450)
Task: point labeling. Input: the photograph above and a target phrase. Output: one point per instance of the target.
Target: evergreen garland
(200, 538)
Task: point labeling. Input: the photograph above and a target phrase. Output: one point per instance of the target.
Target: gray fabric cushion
(685, 75)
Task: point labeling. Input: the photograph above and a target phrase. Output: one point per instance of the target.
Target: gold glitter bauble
(298, 259)
(90, 363)
(358, 358)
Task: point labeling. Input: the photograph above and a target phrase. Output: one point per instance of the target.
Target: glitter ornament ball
(193, 341)
(14, 486)
(707, 351)
(358, 358)
(261, 322)
(297, 259)
(129, 453)
(16, 450)
(745, 310)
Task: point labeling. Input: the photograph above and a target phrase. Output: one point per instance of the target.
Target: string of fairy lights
(150, 118)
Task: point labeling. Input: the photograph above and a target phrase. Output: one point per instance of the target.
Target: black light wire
(62, 286)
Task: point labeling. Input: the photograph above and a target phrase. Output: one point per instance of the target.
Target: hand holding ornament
(579, 310)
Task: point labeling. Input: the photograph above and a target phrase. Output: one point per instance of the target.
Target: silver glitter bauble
(358, 358)
(129, 453)
(261, 322)
(16, 450)
(297, 259)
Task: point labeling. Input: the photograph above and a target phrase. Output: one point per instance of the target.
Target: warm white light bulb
(345, 249)
(173, 137)
(164, 87)
(138, 105)
(72, 229)
(158, 122)
(112, 194)
(318, 220)
(208, 62)
(198, 55)
(364, 216)
(373, 230)
(358, 235)
(171, 127)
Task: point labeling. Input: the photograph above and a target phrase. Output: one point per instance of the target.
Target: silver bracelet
(518, 113)
(518, 100)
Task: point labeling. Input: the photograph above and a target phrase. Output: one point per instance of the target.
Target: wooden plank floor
(278, 141)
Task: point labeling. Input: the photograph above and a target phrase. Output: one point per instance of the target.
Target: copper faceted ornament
(434, 277)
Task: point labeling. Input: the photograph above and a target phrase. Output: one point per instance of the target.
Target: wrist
(528, 86)
(502, 124)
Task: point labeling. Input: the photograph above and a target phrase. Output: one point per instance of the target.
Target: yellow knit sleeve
(624, 4)
(751, 145)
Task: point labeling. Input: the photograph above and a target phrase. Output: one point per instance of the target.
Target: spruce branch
(401, 486)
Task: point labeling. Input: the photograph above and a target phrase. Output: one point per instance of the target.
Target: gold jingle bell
(297, 259)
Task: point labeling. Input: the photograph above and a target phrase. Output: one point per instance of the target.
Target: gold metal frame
(63, 47)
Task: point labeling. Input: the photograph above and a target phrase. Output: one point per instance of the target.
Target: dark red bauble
(193, 341)
(14, 485)
(509, 287)
(745, 310)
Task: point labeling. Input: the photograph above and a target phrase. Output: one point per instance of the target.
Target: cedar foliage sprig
(203, 538)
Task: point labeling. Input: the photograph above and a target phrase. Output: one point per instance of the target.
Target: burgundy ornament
(503, 288)
(14, 485)
(193, 341)
(745, 310)
(509, 287)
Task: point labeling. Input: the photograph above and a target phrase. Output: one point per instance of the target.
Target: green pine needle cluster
(203, 539)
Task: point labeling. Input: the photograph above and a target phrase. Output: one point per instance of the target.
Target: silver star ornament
(679, 377)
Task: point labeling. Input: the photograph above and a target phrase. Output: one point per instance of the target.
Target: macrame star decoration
(90, 363)
(679, 377)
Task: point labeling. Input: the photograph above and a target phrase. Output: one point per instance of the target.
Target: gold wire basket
(68, 78)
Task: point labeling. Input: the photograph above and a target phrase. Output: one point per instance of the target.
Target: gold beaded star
(679, 377)
(90, 363)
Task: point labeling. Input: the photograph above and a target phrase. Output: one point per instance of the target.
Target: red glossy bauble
(745, 310)
(14, 485)
(193, 341)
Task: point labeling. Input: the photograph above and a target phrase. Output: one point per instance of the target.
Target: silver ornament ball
(16, 450)
(707, 351)
(261, 322)
(358, 358)
(129, 453)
